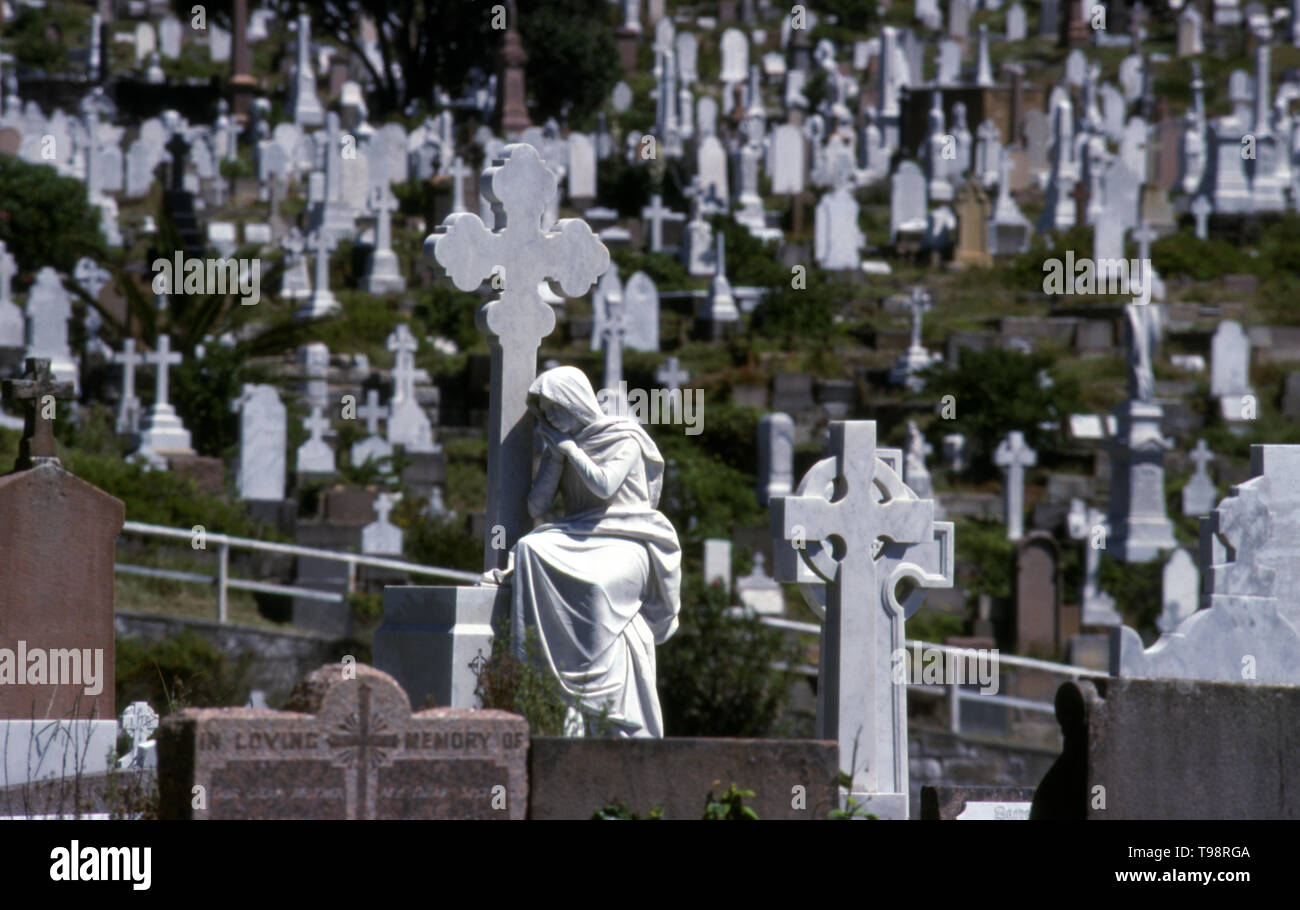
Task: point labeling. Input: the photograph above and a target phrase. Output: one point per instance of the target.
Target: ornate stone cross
(518, 257)
(38, 392)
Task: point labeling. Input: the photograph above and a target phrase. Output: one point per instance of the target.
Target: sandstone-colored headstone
(346, 748)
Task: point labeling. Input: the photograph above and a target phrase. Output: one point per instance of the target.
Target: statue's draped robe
(602, 584)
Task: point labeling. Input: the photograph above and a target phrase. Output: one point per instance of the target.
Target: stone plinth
(430, 636)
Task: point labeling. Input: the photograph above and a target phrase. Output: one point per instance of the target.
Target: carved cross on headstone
(873, 504)
(520, 188)
(372, 412)
(672, 375)
(1013, 456)
(654, 214)
(38, 392)
(362, 741)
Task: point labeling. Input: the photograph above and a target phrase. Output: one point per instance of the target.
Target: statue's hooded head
(564, 398)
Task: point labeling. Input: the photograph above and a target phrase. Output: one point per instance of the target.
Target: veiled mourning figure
(601, 584)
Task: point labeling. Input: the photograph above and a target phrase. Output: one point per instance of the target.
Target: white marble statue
(601, 584)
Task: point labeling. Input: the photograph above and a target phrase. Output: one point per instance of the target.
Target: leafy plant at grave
(853, 807)
(160, 497)
(750, 261)
(367, 609)
(730, 806)
(996, 392)
(450, 313)
(983, 562)
(800, 317)
(618, 812)
(622, 186)
(1138, 591)
(1182, 255)
(131, 794)
(702, 495)
(44, 218)
(525, 687)
(443, 542)
(235, 167)
(572, 60)
(715, 674)
(27, 40)
(184, 671)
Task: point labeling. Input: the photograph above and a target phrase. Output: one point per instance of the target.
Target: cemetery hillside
(639, 409)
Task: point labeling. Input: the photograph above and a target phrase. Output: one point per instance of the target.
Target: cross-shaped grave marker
(128, 410)
(918, 304)
(162, 357)
(1201, 209)
(138, 721)
(1013, 456)
(654, 213)
(1086, 523)
(859, 705)
(38, 392)
(372, 412)
(322, 301)
(522, 255)
(672, 375)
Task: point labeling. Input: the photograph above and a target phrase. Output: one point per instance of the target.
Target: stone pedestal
(1140, 526)
(35, 750)
(164, 433)
(430, 637)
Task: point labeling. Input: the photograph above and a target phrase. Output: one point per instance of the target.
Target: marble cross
(1013, 456)
(403, 345)
(1083, 522)
(38, 393)
(128, 412)
(654, 214)
(859, 706)
(162, 357)
(384, 504)
(918, 304)
(518, 257)
(672, 375)
(139, 721)
(372, 412)
(317, 424)
(1201, 209)
(1202, 456)
(322, 301)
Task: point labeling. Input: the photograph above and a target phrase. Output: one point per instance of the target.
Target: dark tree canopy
(45, 219)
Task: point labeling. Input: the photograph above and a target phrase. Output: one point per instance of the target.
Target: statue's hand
(569, 448)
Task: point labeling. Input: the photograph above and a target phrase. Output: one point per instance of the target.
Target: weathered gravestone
(1249, 629)
(1013, 456)
(1038, 595)
(347, 746)
(1200, 495)
(58, 536)
(262, 443)
(1173, 749)
(857, 494)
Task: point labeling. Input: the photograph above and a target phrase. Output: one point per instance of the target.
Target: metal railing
(953, 691)
(225, 582)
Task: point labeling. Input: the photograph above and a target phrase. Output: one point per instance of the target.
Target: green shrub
(715, 674)
(525, 687)
(184, 671)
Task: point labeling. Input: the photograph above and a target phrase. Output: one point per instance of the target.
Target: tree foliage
(44, 218)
